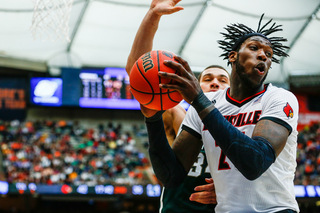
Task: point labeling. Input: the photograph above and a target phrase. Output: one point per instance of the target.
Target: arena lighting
(307, 191)
(82, 189)
(153, 190)
(101, 189)
(137, 190)
(4, 187)
(32, 187)
(120, 190)
(21, 187)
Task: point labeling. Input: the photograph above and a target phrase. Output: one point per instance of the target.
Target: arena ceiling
(102, 32)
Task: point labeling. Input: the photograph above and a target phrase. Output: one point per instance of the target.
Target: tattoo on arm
(275, 133)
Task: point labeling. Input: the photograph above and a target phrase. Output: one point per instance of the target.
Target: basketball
(144, 81)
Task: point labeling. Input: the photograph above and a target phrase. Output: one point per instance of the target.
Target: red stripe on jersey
(240, 102)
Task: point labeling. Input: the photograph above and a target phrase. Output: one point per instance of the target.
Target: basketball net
(51, 19)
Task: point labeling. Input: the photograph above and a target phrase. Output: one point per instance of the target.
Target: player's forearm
(143, 41)
(166, 166)
(251, 156)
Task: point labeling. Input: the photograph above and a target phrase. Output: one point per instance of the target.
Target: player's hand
(184, 81)
(205, 194)
(162, 7)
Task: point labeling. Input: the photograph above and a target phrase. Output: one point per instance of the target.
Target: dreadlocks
(238, 33)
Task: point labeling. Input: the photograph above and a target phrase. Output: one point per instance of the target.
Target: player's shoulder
(278, 92)
(176, 109)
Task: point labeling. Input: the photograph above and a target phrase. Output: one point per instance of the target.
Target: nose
(215, 84)
(262, 56)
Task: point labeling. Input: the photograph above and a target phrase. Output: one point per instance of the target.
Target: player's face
(213, 79)
(254, 61)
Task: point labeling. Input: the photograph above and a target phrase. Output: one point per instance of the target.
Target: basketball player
(176, 199)
(248, 130)
(213, 78)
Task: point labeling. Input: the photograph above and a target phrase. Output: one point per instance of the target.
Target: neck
(240, 91)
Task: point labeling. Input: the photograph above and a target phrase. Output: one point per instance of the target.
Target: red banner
(306, 117)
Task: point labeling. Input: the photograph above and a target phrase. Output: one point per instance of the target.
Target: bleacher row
(308, 156)
(49, 152)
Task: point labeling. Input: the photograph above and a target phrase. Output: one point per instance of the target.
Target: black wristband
(155, 117)
(201, 102)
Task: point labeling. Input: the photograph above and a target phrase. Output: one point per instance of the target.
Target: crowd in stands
(50, 152)
(308, 156)
(60, 152)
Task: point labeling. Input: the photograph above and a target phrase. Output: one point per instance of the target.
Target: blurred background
(72, 135)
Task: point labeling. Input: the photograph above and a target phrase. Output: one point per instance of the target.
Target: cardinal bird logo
(288, 110)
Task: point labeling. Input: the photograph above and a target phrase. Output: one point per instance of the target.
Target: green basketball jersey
(177, 199)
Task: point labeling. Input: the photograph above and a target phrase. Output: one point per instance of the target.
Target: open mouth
(260, 68)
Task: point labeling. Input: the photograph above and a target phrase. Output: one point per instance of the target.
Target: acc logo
(147, 62)
(288, 111)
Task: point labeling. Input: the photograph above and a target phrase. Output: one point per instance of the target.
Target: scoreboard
(88, 88)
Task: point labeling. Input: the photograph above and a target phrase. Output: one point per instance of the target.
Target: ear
(233, 56)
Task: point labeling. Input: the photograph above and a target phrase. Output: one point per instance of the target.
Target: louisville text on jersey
(243, 119)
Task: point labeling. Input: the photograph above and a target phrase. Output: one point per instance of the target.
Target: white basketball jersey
(274, 190)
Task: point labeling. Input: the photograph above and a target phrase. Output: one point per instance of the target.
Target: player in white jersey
(271, 103)
(249, 131)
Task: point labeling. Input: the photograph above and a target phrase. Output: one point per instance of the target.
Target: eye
(253, 47)
(269, 54)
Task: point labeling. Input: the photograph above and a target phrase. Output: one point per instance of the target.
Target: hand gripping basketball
(144, 81)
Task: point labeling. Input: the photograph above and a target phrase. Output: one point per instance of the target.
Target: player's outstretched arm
(205, 194)
(143, 41)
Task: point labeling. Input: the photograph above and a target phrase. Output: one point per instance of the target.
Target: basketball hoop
(51, 19)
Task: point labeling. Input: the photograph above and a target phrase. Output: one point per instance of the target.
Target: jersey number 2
(223, 164)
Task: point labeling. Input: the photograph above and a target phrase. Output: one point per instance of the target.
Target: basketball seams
(145, 71)
(155, 93)
(147, 82)
(158, 61)
(172, 91)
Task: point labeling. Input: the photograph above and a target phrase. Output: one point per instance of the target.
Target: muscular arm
(171, 164)
(252, 156)
(186, 147)
(172, 119)
(143, 41)
(274, 133)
